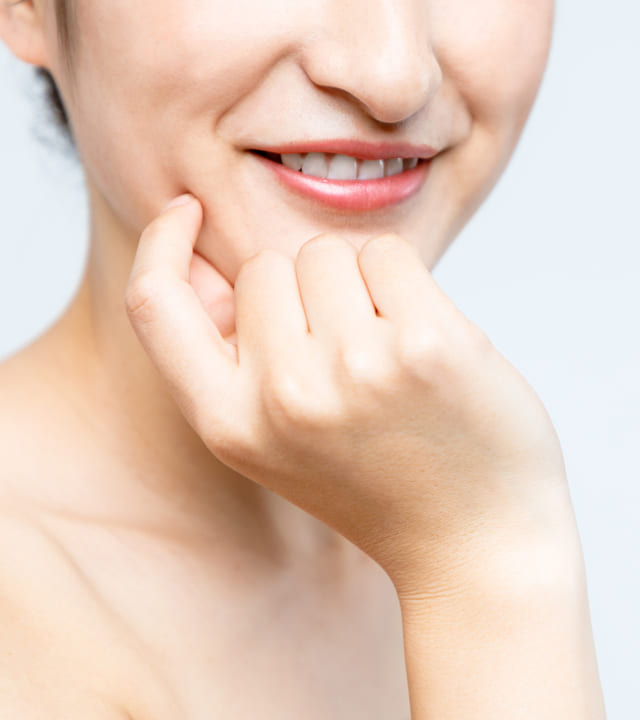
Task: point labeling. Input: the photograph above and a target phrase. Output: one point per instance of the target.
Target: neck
(148, 467)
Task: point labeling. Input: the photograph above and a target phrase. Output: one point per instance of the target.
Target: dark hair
(52, 95)
(54, 101)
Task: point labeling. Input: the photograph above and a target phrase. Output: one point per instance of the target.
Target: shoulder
(49, 631)
(23, 415)
(36, 426)
(64, 652)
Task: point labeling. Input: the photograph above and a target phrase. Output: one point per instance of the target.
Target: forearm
(506, 636)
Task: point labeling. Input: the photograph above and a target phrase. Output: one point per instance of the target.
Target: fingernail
(180, 200)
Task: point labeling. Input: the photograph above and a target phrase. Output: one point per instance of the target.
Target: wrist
(516, 560)
(505, 635)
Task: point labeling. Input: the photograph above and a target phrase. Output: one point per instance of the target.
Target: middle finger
(335, 297)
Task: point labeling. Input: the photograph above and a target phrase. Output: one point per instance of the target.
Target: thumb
(169, 319)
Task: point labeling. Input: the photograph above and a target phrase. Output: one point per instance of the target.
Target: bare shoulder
(38, 424)
(52, 627)
(26, 411)
(50, 664)
(64, 653)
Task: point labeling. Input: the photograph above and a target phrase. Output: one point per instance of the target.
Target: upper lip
(354, 148)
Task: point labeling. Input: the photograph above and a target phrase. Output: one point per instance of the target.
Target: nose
(378, 52)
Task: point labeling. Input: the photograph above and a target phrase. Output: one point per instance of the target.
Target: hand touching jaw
(357, 391)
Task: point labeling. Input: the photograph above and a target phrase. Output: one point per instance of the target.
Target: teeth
(393, 166)
(315, 164)
(293, 161)
(343, 167)
(371, 170)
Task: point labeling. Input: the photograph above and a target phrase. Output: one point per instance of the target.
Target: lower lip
(358, 195)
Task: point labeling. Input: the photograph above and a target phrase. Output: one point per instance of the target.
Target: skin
(217, 506)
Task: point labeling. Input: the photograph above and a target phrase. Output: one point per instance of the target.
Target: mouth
(332, 166)
(346, 182)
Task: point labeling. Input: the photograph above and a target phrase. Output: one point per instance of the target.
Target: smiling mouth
(330, 166)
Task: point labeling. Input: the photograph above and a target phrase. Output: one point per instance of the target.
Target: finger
(215, 293)
(171, 323)
(402, 288)
(270, 320)
(335, 297)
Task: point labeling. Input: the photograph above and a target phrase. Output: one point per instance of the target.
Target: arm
(505, 636)
(359, 392)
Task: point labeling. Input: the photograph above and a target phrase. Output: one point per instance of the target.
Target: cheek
(494, 52)
(151, 73)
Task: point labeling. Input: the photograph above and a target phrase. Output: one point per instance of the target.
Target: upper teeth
(343, 167)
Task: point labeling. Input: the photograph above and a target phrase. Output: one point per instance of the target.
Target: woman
(263, 466)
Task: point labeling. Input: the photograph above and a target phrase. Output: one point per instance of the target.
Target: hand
(357, 390)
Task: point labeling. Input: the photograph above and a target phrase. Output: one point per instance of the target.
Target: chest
(292, 654)
(243, 641)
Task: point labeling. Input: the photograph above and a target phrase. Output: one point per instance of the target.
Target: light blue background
(549, 268)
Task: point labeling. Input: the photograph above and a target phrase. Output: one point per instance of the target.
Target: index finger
(172, 325)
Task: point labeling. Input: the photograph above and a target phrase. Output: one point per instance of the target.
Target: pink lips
(355, 195)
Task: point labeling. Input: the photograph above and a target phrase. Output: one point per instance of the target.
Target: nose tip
(387, 64)
(396, 88)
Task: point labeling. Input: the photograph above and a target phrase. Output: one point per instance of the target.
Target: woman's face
(173, 95)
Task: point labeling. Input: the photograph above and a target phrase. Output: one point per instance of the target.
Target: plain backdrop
(548, 268)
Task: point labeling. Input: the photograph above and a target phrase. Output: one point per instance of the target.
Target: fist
(355, 388)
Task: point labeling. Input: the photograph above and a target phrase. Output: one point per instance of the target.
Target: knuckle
(230, 440)
(284, 400)
(234, 447)
(291, 405)
(325, 242)
(426, 356)
(258, 263)
(156, 228)
(383, 244)
(364, 366)
(142, 296)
